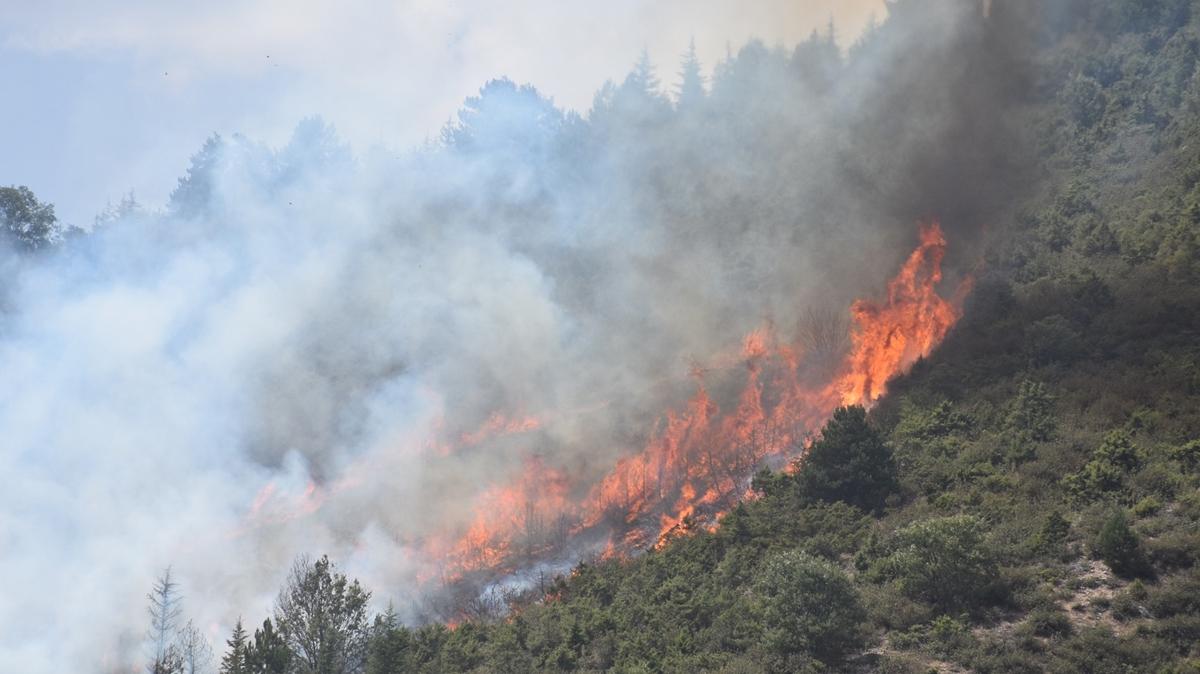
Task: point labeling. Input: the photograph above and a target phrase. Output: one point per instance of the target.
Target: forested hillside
(1044, 513)
(1026, 499)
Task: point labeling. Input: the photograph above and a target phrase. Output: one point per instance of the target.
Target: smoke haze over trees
(259, 369)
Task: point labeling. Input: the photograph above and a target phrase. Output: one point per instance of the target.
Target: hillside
(1046, 515)
(490, 375)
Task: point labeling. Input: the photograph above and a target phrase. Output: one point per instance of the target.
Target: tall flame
(889, 337)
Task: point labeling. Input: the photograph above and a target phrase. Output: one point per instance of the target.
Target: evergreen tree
(849, 463)
(191, 197)
(690, 91)
(946, 561)
(809, 606)
(1119, 547)
(643, 80)
(268, 653)
(388, 648)
(1031, 417)
(234, 661)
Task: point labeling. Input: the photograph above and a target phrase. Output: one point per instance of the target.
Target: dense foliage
(1025, 500)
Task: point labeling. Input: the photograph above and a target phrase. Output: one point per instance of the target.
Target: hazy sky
(101, 97)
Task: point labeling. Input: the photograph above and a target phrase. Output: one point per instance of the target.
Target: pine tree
(690, 91)
(849, 463)
(268, 653)
(234, 661)
(1118, 545)
(642, 79)
(387, 650)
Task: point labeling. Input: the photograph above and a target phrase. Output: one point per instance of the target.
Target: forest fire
(698, 460)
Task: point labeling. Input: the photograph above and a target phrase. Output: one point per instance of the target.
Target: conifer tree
(268, 653)
(849, 463)
(234, 661)
(690, 91)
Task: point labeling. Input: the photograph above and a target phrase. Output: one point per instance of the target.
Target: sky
(107, 97)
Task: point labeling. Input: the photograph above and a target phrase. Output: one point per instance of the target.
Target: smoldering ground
(266, 367)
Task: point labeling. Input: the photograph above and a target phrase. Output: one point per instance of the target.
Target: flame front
(698, 460)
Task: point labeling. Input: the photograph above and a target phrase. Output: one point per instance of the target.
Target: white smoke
(259, 370)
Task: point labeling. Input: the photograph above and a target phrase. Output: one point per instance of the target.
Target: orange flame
(698, 459)
(696, 463)
(890, 337)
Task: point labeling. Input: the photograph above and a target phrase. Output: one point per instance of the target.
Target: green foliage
(945, 561)
(849, 463)
(1146, 507)
(808, 606)
(268, 653)
(389, 645)
(944, 638)
(1111, 463)
(1085, 100)
(1188, 456)
(1049, 623)
(234, 660)
(1118, 546)
(1053, 534)
(1030, 420)
(322, 617)
(25, 222)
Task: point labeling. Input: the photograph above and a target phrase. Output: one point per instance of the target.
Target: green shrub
(1147, 507)
(1188, 456)
(947, 637)
(1174, 549)
(1049, 622)
(1052, 537)
(1119, 547)
(1111, 462)
(809, 606)
(944, 561)
(1177, 595)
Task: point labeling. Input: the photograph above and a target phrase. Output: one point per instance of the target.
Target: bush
(1147, 507)
(1118, 546)
(1188, 456)
(1178, 595)
(1048, 622)
(1111, 462)
(944, 561)
(1053, 534)
(809, 606)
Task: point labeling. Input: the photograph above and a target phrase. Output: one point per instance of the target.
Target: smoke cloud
(267, 366)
